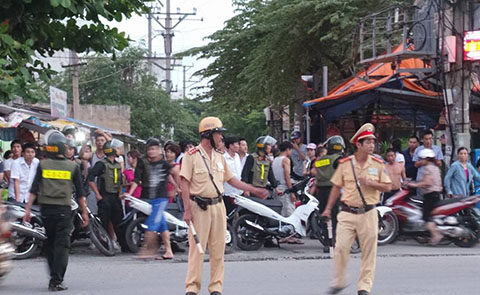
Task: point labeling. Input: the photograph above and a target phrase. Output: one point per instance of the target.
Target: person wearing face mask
(460, 176)
(203, 172)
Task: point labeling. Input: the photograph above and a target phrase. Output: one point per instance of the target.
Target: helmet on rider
(426, 154)
(208, 126)
(264, 140)
(335, 144)
(109, 149)
(55, 143)
(69, 130)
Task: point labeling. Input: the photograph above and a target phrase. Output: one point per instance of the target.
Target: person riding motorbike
(431, 187)
(257, 170)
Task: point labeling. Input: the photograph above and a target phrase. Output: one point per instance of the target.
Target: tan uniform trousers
(365, 226)
(211, 227)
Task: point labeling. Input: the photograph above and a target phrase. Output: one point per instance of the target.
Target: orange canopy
(375, 76)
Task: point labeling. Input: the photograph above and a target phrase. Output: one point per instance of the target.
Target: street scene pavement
(404, 267)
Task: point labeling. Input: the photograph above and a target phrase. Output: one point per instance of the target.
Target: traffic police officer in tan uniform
(202, 197)
(56, 180)
(363, 177)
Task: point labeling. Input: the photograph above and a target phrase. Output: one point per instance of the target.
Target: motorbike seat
(449, 201)
(270, 203)
(34, 208)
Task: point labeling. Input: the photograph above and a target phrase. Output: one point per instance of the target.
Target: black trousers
(58, 224)
(322, 193)
(110, 210)
(429, 202)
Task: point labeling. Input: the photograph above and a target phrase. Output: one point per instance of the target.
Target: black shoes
(363, 292)
(190, 293)
(335, 290)
(215, 293)
(56, 287)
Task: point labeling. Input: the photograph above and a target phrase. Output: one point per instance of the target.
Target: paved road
(402, 268)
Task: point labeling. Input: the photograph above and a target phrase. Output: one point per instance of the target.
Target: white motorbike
(134, 234)
(261, 223)
(252, 229)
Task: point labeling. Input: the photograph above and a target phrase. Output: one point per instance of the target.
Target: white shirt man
(23, 172)
(233, 161)
(16, 149)
(243, 151)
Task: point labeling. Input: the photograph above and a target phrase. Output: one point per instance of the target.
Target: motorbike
(178, 228)
(261, 222)
(26, 238)
(6, 249)
(455, 219)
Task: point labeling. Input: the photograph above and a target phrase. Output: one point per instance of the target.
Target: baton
(330, 236)
(195, 237)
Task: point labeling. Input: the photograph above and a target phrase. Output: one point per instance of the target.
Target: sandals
(295, 241)
(163, 257)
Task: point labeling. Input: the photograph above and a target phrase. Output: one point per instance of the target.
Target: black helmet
(335, 144)
(109, 149)
(152, 141)
(55, 143)
(71, 143)
(263, 140)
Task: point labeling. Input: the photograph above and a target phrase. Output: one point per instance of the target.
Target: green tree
(126, 80)
(29, 27)
(261, 52)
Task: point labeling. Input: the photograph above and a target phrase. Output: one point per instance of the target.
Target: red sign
(471, 46)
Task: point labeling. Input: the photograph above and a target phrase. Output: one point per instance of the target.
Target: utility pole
(455, 21)
(167, 36)
(75, 91)
(167, 24)
(150, 38)
(185, 68)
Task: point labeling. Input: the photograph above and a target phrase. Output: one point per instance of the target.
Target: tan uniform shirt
(194, 170)
(373, 169)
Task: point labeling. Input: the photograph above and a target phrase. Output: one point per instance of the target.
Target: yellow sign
(108, 151)
(322, 163)
(57, 174)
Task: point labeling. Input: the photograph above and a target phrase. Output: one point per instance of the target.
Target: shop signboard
(471, 46)
(58, 102)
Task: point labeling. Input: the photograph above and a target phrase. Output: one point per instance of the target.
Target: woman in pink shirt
(132, 159)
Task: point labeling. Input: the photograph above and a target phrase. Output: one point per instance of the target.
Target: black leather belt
(204, 202)
(356, 210)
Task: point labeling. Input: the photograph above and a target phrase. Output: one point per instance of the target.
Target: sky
(188, 34)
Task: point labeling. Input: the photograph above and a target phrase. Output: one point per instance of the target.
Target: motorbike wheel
(135, 234)
(229, 239)
(25, 246)
(387, 228)
(246, 238)
(471, 223)
(100, 238)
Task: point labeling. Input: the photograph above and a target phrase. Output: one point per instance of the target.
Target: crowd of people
(171, 172)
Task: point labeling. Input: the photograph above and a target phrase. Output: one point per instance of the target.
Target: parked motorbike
(26, 238)
(261, 222)
(6, 249)
(135, 231)
(455, 219)
(93, 231)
